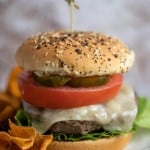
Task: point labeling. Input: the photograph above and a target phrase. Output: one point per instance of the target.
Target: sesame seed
(46, 54)
(53, 64)
(96, 52)
(115, 55)
(33, 56)
(78, 51)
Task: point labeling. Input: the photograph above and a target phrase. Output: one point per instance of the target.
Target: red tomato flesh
(67, 97)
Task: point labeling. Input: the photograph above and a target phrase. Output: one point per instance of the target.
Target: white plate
(140, 140)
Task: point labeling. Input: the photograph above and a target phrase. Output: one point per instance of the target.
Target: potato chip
(42, 142)
(8, 106)
(22, 143)
(10, 99)
(14, 147)
(22, 136)
(12, 86)
(4, 97)
(5, 141)
(6, 113)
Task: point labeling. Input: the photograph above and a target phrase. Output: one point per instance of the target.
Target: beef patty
(75, 127)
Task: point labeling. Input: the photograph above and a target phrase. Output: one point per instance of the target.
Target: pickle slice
(53, 81)
(88, 81)
(57, 80)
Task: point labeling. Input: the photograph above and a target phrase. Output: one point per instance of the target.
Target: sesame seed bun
(74, 54)
(115, 143)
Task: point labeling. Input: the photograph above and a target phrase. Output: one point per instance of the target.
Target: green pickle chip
(56, 80)
(52, 80)
(88, 81)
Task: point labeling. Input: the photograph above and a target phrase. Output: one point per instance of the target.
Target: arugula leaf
(89, 136)
(143, 116)
(22, 118)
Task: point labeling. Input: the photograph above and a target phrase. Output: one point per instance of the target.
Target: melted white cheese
(117, 114)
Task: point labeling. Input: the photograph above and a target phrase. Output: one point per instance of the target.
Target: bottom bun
(115, 143)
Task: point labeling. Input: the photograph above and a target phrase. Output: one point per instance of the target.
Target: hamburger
(72, 87)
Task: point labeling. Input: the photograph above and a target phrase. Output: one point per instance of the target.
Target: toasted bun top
(74, 54)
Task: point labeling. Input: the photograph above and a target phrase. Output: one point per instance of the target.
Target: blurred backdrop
(124, 19)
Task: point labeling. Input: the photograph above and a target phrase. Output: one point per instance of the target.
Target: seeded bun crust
(116, 143)
(74, 54)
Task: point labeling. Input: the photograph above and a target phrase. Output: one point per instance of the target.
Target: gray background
(128, 20)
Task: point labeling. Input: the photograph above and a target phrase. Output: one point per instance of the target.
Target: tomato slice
(67, 97)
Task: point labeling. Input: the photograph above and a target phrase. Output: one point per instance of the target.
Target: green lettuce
(22, 118)
(143, 116)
